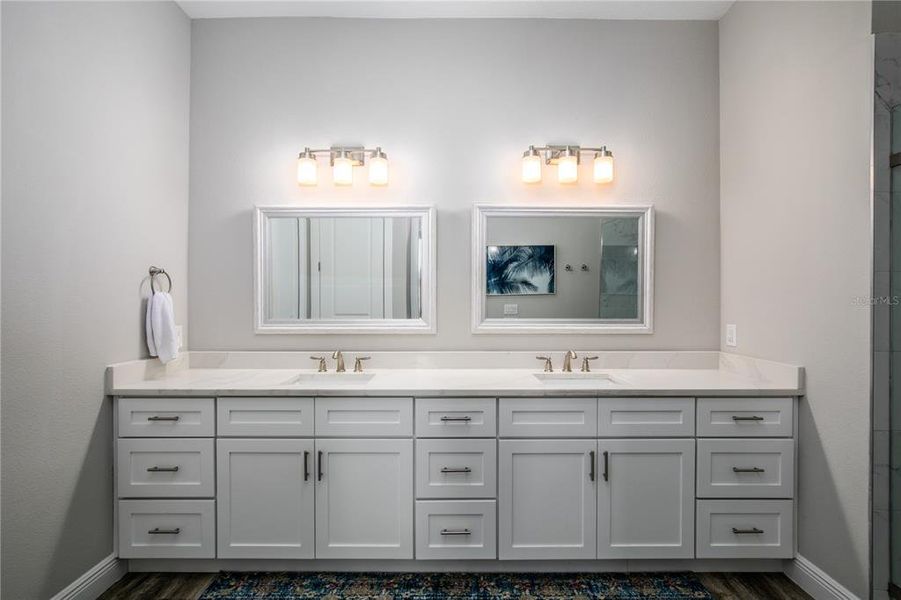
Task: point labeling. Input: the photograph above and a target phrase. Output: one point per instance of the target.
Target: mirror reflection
(563, 267)
(343, 268)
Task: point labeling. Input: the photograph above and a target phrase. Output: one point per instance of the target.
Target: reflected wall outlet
(731, 335)
(511, 309)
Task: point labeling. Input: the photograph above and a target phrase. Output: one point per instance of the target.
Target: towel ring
(154, 271)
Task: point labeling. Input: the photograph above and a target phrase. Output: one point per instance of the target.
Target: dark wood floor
(189, 586)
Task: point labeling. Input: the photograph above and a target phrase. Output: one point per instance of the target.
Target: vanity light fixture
(567, 159)
(343, 159)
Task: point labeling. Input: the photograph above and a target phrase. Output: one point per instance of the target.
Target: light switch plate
(511, 309)
(731, 335)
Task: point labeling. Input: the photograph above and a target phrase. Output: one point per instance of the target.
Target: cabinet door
(547, 499)
(265, 499)
(364, 498)
(646, 498)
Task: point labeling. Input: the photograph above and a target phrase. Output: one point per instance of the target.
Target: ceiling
(704, 10)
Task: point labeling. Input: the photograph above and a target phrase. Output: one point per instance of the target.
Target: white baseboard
(95, 581)
(816, 581)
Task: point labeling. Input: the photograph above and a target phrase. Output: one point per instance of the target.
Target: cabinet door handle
(456, 470)
(319, 465)
(747, 470)
(306, 465)
(606, 466)
(159, 418)
(591, 473)
(737, 531)
(751, 418)
(163, 469)
(456, 532)
(446, 419)
(158, 531)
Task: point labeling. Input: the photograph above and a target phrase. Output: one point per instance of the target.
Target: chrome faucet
(322, 366)
(586, 368)
(548, 366)
(358, 363)
(567, 361)
(339, 364)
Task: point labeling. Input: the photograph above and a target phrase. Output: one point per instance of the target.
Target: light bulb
(342, 169)
(603, 166)
(306, 168)
(568, 167)
(378, 168)
(531, 166)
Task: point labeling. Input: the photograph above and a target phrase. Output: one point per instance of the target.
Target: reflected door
(348, 258)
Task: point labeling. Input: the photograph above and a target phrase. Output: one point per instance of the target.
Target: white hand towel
(162, 320)
(148, 325)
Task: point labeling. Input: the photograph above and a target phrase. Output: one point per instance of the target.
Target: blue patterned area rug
(456, 586)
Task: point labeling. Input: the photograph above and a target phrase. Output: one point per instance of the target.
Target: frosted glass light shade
(603, 168)
(568, 169)
(378, 170)
(531, 169)
(306, 171)
(343, 171)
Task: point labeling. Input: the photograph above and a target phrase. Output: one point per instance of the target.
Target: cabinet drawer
(745, 417)
(456, 468)
(166, 417)
(264, 417)
(646, 417)
(745, 529)
(167, 529)
(456, 529)
(456, 417)
(364, 417)
(157, 468)
(548, 417)
(746, 468)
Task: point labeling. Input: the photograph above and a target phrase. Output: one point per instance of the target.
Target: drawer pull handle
(456, 532)
(456, 470)
(319, 465)
(159, 418)
(306, 465)
(456, 419)
(163, 469)
(751, 418)
(591, 473)
(747, 470)
(158, 531)
(606, 466)
(752, 530)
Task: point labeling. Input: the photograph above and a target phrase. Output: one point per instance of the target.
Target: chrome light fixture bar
(343, 159)
(567, 159)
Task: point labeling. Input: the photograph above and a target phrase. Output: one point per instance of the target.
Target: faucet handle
(322, 366)
(358, 363)
(548, 366)
(585, 366)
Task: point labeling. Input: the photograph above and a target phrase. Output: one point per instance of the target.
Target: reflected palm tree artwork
(520, 270)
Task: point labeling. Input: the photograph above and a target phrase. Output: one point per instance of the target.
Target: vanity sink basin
(577, 377)
(326, 378)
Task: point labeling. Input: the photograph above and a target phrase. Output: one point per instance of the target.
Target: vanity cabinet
(265, 492)
(364, 498)
(538, 478)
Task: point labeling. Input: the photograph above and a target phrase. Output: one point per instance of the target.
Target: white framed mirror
(344, 270)
(562, 269)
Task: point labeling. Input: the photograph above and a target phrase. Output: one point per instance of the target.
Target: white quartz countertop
(452, 382)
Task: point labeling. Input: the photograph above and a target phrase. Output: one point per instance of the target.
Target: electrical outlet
(511, 309)
(731, 335)
(179, 335)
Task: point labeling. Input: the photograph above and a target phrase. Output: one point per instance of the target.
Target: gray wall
(796, 113)
(454, 103)
(95, 183)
